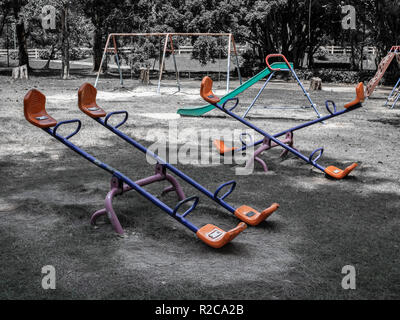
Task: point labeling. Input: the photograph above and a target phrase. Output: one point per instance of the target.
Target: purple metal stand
(267, 145)
(118, 188)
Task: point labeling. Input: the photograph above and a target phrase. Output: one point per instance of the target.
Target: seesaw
(271, 141)
(35, 112)
(269, 72)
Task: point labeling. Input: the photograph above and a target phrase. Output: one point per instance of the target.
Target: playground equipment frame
(268, 73)
(168, 39)
(394, 95)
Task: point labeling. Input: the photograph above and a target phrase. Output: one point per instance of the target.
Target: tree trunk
(98, 50)
(47, 65)
(22, 46)
(65, 67)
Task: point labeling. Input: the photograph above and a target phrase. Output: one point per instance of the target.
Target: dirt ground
(48, 194)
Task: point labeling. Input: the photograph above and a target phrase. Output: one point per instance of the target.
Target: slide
(383, 66)
(199, 111)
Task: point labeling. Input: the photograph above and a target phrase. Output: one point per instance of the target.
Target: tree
(17, 6)
(107, 16)
(5, 10)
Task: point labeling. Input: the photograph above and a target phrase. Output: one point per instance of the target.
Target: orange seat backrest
(206, 91)
(87, 101)
(360, 96)
(35, 110)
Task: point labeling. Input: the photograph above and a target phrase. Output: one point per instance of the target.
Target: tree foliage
(267, 26)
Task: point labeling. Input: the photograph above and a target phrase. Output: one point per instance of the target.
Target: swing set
(111, 47)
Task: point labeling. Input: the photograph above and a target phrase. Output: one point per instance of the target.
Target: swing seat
(253, 217)
(222, 148)
(339, 173)
(360, 96)
(87, 101)
(35, 110)
(216, 237)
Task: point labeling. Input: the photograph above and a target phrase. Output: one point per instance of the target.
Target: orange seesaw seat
(222, 148)
(87, 101)
(253, 217)
(35, 110)
(360, 96)
(339, 174)
(206, 91)
(216, 237)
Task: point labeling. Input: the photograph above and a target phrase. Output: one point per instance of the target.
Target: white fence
(347, 50)
(336, 50)
(32, 53)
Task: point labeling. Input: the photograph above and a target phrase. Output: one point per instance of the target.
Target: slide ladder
(394, 95)
(382, 68)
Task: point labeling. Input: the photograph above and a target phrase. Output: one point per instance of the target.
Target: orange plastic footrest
(339, 173)
(253, 217)
(216, 237)
(222, 148)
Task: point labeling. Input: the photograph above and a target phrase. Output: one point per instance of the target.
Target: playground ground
(48, 194)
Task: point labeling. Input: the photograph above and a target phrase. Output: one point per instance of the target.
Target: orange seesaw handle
(276, 55)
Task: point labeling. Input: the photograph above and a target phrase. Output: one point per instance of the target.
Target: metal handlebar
(68, 122)
(274, 56)
(229, 100)
(196, 201)
(115, 113)
(321, 151)
(329, 109)
(233, 186)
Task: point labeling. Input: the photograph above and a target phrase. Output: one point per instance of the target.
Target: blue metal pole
(305, 125)
(258, 95)
(392, 93)
(305, 92)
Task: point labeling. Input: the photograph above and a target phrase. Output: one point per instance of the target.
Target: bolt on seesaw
(35, 112)
(208, 95)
